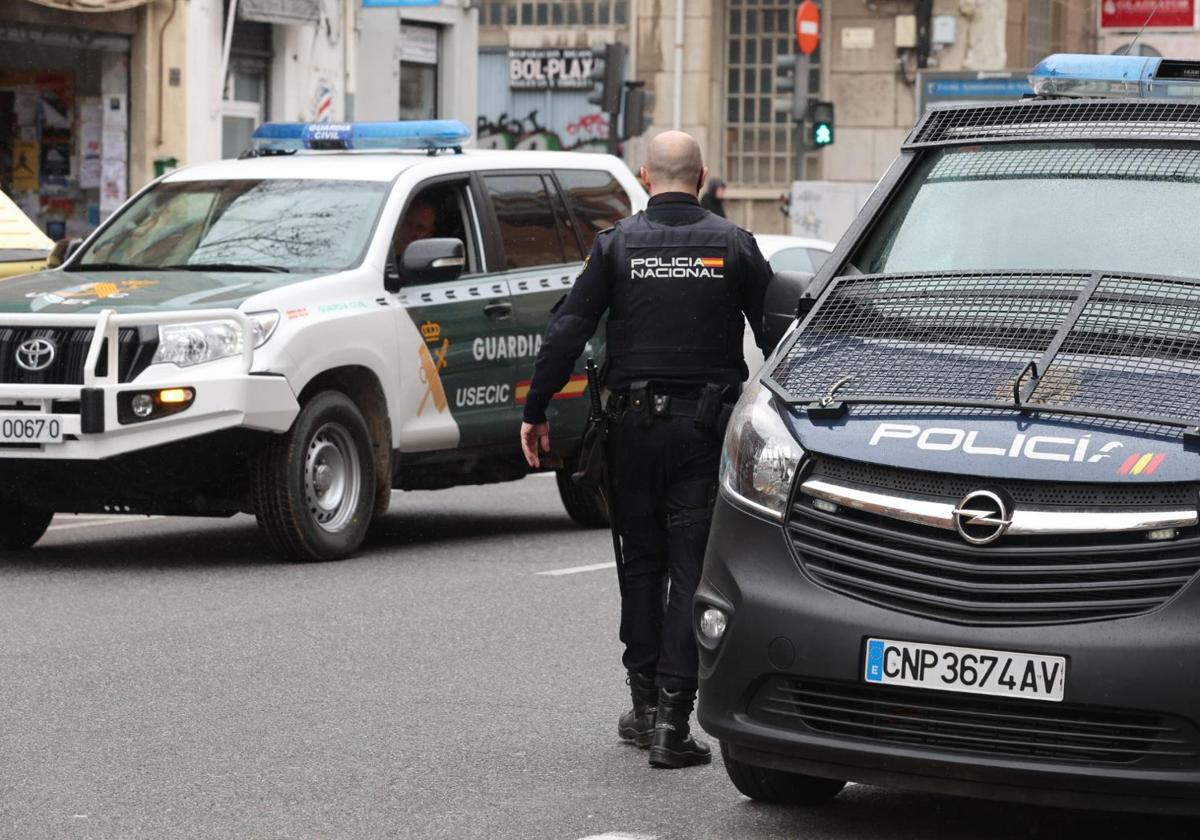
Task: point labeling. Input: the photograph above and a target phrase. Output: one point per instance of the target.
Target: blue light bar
(1116, 76)
(412, 134)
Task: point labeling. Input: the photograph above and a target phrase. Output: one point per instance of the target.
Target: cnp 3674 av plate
(969, 670)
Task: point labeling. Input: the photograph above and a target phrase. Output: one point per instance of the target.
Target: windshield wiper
(220, 266)
(113, 266)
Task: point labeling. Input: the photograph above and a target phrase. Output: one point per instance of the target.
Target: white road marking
(574, 570)
(99, 523)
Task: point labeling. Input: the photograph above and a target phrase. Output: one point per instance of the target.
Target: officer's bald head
(674, 164)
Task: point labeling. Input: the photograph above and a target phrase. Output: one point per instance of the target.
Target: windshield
(1076, 207)
(304, 226)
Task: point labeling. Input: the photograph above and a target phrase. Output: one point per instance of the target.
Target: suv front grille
(137, 348)
(974, 724)
(1048, 579)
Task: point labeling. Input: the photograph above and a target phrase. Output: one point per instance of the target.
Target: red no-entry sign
(808, 27)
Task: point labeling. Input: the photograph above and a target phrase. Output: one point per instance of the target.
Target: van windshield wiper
(221, 266)
(113, 266)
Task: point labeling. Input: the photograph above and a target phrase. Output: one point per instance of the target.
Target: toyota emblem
(36, 354)
(981, 517)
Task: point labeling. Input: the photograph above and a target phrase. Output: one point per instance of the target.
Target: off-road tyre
(585, 507)
(21, 526)
(777, 787)
(291, 499)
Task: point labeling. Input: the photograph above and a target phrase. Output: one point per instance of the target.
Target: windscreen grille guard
(1107, 345)
(1057, 119)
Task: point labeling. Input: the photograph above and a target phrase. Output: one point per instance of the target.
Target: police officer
(675, 280)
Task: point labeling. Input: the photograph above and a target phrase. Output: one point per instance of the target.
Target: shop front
(64, 118)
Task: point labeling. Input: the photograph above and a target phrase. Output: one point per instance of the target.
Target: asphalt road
(166, 678)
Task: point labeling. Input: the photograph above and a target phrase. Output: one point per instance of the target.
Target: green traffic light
(822, 134)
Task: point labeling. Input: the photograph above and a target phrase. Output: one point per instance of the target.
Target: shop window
(244, 106)
(526, 221)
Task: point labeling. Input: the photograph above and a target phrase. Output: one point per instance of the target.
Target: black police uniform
(676, 281)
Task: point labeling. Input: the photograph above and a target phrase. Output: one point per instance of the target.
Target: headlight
(207, 341)
(760, 456)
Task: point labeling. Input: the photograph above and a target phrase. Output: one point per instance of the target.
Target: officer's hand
(531, 436)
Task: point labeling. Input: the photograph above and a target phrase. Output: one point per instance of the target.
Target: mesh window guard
(1104, 345)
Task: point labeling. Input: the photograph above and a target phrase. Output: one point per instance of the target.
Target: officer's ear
(703, 179)
(644, 178)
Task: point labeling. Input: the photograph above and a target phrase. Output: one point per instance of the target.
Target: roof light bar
(1116, 76)
(413, 134)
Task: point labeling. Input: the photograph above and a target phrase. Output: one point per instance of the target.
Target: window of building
(244, 103)
(1045, 29)
(526, 220)
(553, 12)
(759, 142)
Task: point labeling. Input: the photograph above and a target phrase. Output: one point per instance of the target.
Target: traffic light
(639, 109)
(609, 76)
(786, 82)
(820, 129)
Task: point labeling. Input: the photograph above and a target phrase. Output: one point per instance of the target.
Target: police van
(958, 537)
(345, 310)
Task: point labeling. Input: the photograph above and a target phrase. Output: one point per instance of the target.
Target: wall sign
(1162, 14)
(550, 69)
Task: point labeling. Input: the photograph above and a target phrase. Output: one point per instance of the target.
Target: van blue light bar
(412, 134)
(1116, 76)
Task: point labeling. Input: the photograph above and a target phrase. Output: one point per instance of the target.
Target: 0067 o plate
(969, 670)
(30, 428)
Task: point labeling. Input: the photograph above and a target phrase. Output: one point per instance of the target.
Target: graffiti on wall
(588, 133)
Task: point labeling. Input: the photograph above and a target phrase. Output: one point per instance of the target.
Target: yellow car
(23, 248)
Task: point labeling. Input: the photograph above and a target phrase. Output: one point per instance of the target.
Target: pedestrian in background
(714, 197)
(676, 281)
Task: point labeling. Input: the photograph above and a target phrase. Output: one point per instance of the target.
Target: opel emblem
(36, 354)
(981, 517)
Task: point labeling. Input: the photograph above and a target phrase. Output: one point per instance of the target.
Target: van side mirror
(432, 261)
(782, 303)
(64, 249)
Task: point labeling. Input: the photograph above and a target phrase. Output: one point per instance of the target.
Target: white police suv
(345, 310)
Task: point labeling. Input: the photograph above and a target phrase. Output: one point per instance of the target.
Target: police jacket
(676, 281)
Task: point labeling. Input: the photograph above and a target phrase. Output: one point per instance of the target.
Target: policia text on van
(958, 538)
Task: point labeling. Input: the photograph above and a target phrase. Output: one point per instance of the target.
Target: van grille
(974, 724)
(1048, 579)
(137, 348)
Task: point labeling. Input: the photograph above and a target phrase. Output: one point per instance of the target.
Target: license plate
(969, 670)
(30, 428)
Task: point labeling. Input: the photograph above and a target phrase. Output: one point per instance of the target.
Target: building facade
(94, 104)
(711, 64)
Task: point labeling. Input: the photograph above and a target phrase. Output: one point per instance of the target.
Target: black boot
(673, 746)
(637, 725)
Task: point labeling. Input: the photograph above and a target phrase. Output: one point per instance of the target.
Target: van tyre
(21, 526)
(583, 505)
(777, 787)
(314, 487)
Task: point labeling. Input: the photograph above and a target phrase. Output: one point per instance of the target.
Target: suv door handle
(498, 310)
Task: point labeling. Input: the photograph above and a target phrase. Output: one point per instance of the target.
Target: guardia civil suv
(346, 310)
(957, 542)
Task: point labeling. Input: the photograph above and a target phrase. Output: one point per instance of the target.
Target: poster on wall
(27, 161)
(1153, 14)
(90, 132)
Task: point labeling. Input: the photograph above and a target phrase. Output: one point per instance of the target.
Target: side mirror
(433, 261)
(782, 303)
(64, 249)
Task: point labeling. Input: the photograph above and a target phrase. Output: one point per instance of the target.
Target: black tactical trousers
(664, 481)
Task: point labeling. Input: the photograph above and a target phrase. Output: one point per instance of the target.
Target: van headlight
(760, 456)
(207, 341)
